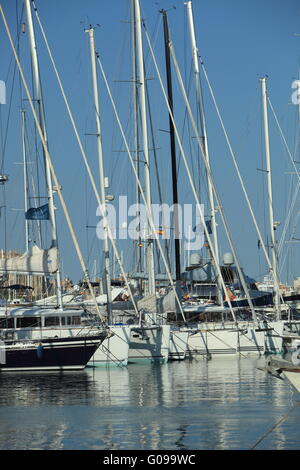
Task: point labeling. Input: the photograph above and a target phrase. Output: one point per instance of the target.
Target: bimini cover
(35, 261)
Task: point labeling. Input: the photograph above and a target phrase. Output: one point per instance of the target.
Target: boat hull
(114, 350)
(218, 341)
(178, 345)
(70, 353)
(293, 378)
(149, 344)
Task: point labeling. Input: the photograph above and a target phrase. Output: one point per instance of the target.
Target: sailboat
(252, 334)
(149, 339)
(271, 324)
(197, 342)
(286, 369)
(113, 351)
(232, 327)
(283, 325)
(51, 354)
(139, 338)
(26, 337)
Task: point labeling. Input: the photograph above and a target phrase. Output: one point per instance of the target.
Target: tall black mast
(172, 144)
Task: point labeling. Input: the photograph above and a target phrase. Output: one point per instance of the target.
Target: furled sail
(35, 261)
(38, 213)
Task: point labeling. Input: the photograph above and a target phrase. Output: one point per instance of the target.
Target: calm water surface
(219, 404)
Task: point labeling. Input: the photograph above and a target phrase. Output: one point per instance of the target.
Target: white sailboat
(139, 325)
(251, 336)
(145, 341)
(149, 339)
(286, 369)
(281, 327)
(197, 341)
(115, 349)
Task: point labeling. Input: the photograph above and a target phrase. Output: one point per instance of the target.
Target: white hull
(281, 330)
(149, 344)
(114, 350)
(210, 339)
(217, 340)
(293, 378)
(178, 345)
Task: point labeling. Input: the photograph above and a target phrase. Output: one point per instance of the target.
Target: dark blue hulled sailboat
(68, 353)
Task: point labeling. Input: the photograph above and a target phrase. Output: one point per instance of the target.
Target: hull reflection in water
(227, 403)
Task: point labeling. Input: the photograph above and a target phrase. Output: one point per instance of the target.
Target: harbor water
(222, 404)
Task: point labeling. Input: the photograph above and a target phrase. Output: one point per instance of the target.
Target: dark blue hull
(49, 354)
(260, 301)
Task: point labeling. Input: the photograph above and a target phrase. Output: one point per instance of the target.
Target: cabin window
(7, 323)
(51, 321)
(76, 320)
(28, 322)
(66, 321)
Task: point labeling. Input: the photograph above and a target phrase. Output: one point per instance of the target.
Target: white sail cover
(34, 261)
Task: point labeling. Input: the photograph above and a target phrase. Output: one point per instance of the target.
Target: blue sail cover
(38, 213)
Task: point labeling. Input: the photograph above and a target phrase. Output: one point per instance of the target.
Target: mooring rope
(275, 426)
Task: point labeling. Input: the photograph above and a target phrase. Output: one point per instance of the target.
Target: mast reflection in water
(220, 404)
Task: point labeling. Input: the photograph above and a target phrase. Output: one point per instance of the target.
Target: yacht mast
(270, 197)
(138, 266)
(41, 116)
(200, 105)
(107, 278)
(142, 101)
(25, 180)
(173, 155)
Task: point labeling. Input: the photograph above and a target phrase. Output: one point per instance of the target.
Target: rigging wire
(213, 185)
(33, 197)
(289, 154)
(109, 232)
(280, 421)
(142, 192)
(65, 210)
(276, 282)
(4, 135)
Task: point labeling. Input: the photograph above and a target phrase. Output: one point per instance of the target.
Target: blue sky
(239, 41)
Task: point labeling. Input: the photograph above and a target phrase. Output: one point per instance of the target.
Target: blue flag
(208, 226)
(38, 213)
